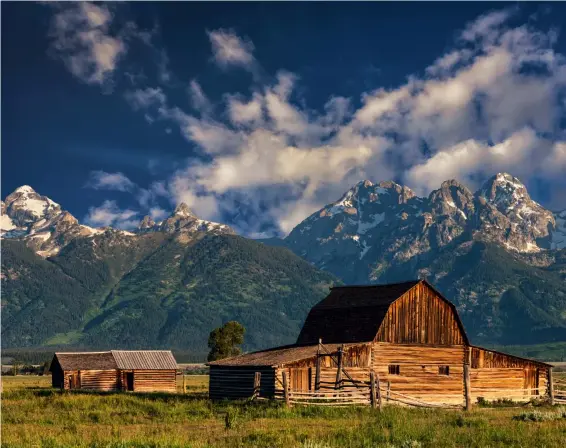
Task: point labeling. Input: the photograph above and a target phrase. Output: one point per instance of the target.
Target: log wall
(421, 316)
(233, 382)
(155, 381)
(419, 375)
(495, 375)
(99, 379)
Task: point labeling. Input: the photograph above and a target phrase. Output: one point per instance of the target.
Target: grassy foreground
(33, 415)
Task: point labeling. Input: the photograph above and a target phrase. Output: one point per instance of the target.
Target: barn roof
(145, 359)
(118, 359)
(278, 356)
(351, 313)
(86, 360)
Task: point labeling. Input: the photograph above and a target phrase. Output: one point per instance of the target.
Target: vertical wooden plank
(286, 388)
(377, 387)
(338, 384)
(388, 390)
(372, 389)
(257, 383)
(317, 374)
(467, 387)
(550, 386)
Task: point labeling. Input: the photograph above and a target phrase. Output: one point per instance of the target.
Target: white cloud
(81, 37)
(229, 49)
(157, 213)
(101, 180)
(109, 214)
(198, 98)
(146, 98)
(480, 108)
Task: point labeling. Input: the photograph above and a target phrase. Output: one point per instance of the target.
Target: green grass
(35, 415)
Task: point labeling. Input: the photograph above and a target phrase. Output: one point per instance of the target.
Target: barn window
(394, 369)
(444, 370)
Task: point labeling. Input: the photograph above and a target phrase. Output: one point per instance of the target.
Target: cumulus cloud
(109, 214)
(229, 49)
(482, 107)
(101, 180)
(198, 98)
(81, 37)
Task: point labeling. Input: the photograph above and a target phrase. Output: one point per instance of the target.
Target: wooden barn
(407, 334)
(128, 370)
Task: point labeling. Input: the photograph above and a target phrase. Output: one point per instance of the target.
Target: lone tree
(225, 340)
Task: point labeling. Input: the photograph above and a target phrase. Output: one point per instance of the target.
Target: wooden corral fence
(558, 387)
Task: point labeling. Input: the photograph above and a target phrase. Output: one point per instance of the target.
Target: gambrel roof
(355, 313)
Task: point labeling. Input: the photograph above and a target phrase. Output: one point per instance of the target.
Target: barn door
(300, 378)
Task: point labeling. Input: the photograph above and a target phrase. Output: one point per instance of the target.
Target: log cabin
(408, 334)
(115, 370)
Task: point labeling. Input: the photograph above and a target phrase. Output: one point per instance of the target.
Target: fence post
(184, 382)
(550, 386)
(317, 374)
(338, 384)
(378, 388)
(285, 389)
(467, 388)
(372, 389)
(257, 383)
(388, 390)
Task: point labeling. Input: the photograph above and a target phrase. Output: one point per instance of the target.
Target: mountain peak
(183, 210)
(24, 189)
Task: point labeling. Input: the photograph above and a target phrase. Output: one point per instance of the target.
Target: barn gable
(409, 312)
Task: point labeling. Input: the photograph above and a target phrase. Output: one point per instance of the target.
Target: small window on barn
(444, 370)
(394, 369)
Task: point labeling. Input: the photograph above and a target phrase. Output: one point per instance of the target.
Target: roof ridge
(377, 285)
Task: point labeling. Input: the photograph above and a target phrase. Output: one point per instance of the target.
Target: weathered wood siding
(420, 316)
(103, 380)
(495, 375)
(233, 382)
(419, 375)
(155, 381)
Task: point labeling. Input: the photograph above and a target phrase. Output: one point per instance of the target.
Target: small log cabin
(407, 333)
(127, 370)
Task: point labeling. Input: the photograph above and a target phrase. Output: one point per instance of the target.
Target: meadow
(34, 415)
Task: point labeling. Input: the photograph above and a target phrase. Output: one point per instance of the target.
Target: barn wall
(419, 375)
(493, 370)
(155, 381)
(98, 379)
(234, 382)
(420, 316)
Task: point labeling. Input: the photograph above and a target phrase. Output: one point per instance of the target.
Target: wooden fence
(558, 388)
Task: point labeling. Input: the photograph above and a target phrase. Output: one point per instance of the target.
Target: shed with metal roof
(129, 370)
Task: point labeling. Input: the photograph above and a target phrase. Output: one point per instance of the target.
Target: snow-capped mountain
(183, 220)
(40, 221)
(47, 228)
(374, 225)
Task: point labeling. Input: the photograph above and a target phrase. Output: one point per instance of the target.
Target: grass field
(33, 415)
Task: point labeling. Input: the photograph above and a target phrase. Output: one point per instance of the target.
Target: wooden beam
(378, 389)
(285, 388)
(317, 374)
(340, 366)
(467, 387)
(550, 386)
(257, 384)
(388, 396)
(372, 395)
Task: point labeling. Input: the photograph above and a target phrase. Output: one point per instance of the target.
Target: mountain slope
(167, 284)
(496, 253)
(186, 288)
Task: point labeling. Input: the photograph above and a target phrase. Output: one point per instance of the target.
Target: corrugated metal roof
(278, 356)
(86, 361)
(145, 359)
(118, 359)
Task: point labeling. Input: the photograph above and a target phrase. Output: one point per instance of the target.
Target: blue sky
(258, 114)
